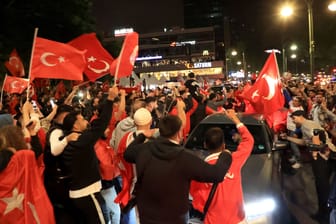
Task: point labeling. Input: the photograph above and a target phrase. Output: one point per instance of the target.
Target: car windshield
(196, 140)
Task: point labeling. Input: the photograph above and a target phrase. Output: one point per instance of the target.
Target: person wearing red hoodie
(227, 205)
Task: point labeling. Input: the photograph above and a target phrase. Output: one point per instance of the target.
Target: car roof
(248, 119)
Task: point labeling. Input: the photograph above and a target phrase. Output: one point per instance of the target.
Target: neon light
(122, 32)
(148, 58)
(202, 65)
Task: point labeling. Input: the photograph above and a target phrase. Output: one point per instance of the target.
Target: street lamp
(287, 11)
(332, 6)
(311, 37)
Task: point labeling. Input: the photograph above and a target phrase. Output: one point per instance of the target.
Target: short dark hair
(63, 108)
(69, 121)
(169, 126)
(214, 138)
(191, 75)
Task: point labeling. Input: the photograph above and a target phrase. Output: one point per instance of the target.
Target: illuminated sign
(122, 32)
(203, 65)
(148, 58)
(182, 43)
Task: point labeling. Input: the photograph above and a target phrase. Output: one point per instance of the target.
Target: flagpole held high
(31, 60)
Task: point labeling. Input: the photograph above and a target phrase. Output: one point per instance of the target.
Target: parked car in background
(261, 176)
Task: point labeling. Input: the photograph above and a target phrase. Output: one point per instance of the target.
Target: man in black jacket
(164, 171)
(82, 164)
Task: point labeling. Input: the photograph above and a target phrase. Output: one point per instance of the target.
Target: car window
(261, 138)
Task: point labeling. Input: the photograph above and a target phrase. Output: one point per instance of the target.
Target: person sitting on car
(227, 205)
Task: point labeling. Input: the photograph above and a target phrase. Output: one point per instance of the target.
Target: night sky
(261, 17)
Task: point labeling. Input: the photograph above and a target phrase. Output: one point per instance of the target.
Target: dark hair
(5, 157)
(169, 126)
(214, 138)
(69, 121)
(150, 99)
(63, 108)
(212, 96)
(191, 75)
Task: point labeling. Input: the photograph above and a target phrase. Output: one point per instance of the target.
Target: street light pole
(311, 36)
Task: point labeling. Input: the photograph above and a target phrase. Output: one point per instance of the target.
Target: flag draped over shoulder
(23, 198)
(15, 84)
(266, 94)
(57, 60)
(127, 56)
(98, 59)
(15, 65)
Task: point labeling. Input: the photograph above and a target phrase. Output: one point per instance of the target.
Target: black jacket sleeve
(201, 171)
(131, 152)
(36, 146)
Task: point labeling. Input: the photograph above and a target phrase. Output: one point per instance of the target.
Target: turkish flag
(15, 84)
(60, 90)
(98, 59)
(14, 64)
(126, 172)
(266, 93)
(123, 65)
(23, 198)
(57, 60)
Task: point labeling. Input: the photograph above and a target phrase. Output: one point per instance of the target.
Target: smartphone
(52, 103)
(34, 104)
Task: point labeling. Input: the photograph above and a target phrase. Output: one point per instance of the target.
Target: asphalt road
(300, 194)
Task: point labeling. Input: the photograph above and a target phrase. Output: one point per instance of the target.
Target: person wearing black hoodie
(164, 172)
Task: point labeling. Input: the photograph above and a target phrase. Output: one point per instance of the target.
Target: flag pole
(31, 61)
(3, 84)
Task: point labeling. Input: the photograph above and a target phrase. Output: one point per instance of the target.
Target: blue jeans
(129, 218)
(109, 195)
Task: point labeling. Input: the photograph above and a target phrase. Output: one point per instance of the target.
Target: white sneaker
(296, 165)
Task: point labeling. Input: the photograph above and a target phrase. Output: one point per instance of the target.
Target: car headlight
(259, 211)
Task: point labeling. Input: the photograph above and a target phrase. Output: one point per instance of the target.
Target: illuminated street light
(234, 53)
(293, 56)
(293, 47)
(332, 6)
(286, 11)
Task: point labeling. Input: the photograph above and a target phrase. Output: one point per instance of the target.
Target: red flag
(56, 60)
(60, 90)
(266, 93)
(23, 198)
(98, 59)
(14, 84)
(14, 64)
(127, 56)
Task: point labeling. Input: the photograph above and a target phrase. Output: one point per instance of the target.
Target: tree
(60, 20)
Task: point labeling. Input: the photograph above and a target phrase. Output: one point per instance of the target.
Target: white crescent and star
(271, 87)
(13, 60)
(96, 70)
(16, 201)
(45, 55)
(14, 84)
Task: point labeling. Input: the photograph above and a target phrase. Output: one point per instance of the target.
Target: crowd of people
(107, 156)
